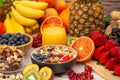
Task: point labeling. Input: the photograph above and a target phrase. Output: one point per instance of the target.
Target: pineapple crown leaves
(3, 2)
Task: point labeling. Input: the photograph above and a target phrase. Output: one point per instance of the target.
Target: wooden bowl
(26, 47)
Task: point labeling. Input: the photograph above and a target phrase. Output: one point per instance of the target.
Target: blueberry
(4, 41)
(18, 35)
(49, 55)
(15, 39)
(26, 39)
(7, 36)
(10, 39)
(18, 42)
(22, 42)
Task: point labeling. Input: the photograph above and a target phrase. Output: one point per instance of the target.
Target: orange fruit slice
(85, 48)
(51, 20)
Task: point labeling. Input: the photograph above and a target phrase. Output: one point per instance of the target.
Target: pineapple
(86, 16)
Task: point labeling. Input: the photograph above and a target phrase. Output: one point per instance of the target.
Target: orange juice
(54, 35)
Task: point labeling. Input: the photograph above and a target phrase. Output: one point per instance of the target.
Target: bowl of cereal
(59, 58)
(11, 59)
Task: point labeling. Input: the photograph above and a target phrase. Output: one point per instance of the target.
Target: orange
(51, 20)
(85, 48)
(50, 12)
(64, 15)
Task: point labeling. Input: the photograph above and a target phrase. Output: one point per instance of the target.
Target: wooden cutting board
(102, 71)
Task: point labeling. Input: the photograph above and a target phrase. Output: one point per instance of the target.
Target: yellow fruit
(28, 30)
(17, 27)
(21, 19)
(8, 26)
(29, 12)
(46, 73)
(33, 4)
(30, 67)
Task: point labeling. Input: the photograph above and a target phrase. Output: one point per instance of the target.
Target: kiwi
(31, 75)
(30, 67)
(46, 73)
(70, 40)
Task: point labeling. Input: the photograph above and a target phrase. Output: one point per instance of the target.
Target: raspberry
(98, 38)
(117, 70)
(110, 44)
(98, 51)
(104, 57)
(111, 63)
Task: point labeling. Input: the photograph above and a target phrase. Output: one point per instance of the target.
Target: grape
(37, 41)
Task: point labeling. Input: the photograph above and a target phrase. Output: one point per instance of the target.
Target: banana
(28, 30)
(17, 27)
(8, 25)
(21, 19)
(29, 12)
(33, 4)
(35, 27)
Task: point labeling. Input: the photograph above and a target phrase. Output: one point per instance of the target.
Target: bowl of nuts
(59, 58)
(11, 59)
(21, 41)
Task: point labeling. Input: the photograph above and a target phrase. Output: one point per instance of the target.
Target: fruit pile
(53, 54)
(86, 75)
(14, 39)
(107, 52)
(32, 72)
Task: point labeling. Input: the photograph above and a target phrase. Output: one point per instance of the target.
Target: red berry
(88, 68)
(110, 44)
(98, 38)
(117, 70)
(65, 58)
(98, 52)
(111, 63)
(104, 57)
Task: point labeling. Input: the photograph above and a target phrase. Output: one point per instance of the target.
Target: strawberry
(98, 51)
(114, 51)
(65, 58)
(110, 44)
(104, 57)
(98, 38)
(111, 63)
(117, 70)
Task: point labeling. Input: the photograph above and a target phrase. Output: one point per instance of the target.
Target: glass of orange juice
(53, 34)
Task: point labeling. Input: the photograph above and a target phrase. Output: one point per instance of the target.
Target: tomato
(2, 28)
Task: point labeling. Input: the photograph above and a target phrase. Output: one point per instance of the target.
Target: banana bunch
(24, 15)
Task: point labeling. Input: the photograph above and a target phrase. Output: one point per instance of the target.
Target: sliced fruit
(31, 75)
(46, 73)
(51, 20)
(85, 48)
(30, 67)
(70, 40)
